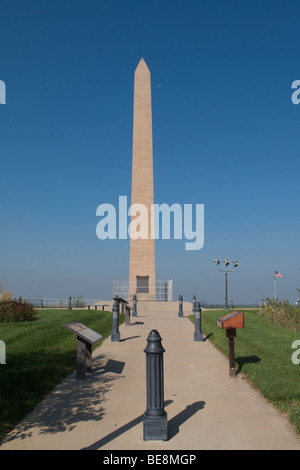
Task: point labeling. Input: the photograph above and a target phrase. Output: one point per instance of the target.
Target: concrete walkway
(206, 408)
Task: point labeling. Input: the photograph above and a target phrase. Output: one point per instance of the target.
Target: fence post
(115, 334)
(198, 335)
(155, 426)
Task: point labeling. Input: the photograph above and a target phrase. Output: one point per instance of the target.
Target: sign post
(85, 338)
(230, 323)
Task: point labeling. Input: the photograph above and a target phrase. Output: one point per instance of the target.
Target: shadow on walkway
(71, 402)
(130, 337)
(114, 366)
(173, 424)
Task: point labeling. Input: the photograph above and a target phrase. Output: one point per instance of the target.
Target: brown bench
(97, 305)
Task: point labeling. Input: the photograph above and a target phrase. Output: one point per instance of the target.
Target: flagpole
(275, 296)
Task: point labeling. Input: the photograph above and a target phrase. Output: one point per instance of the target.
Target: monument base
(155, 428)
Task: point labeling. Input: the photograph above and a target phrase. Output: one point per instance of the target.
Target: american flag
(277, 274)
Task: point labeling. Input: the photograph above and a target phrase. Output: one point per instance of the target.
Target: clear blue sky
(225, 134)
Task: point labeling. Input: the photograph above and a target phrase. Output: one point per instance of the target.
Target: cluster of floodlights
(226, 270)
(226, 262)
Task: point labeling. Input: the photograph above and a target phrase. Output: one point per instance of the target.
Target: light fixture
(226, 271)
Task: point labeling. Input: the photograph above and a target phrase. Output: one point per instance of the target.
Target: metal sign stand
(85, 338)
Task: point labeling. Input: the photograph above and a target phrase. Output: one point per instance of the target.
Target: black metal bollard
(115, 334)
(134, 310)
(155, 425)
(70, 303)
(198, 335)
(180, 311)
(194, 303)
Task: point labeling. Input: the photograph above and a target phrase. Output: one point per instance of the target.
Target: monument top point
(142, 66)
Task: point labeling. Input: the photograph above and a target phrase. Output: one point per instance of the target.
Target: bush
(15, 311)
(6, 295)
(282, 314)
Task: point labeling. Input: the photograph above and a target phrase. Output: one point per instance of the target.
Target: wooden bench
(125, 307)
(97, 305)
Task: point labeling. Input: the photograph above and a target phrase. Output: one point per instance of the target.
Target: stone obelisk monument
(142, 250)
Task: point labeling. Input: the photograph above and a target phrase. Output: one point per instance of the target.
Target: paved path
(206, 408)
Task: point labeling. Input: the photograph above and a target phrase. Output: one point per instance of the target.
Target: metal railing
(76, 302)
(161, 291)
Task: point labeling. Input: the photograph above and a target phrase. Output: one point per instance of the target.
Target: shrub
(15, 311)
(282, 314)
(6, 295)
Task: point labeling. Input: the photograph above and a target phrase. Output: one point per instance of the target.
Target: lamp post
(226, 270)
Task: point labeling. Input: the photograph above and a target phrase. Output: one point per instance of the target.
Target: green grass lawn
(39, 354)
(263, 353)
